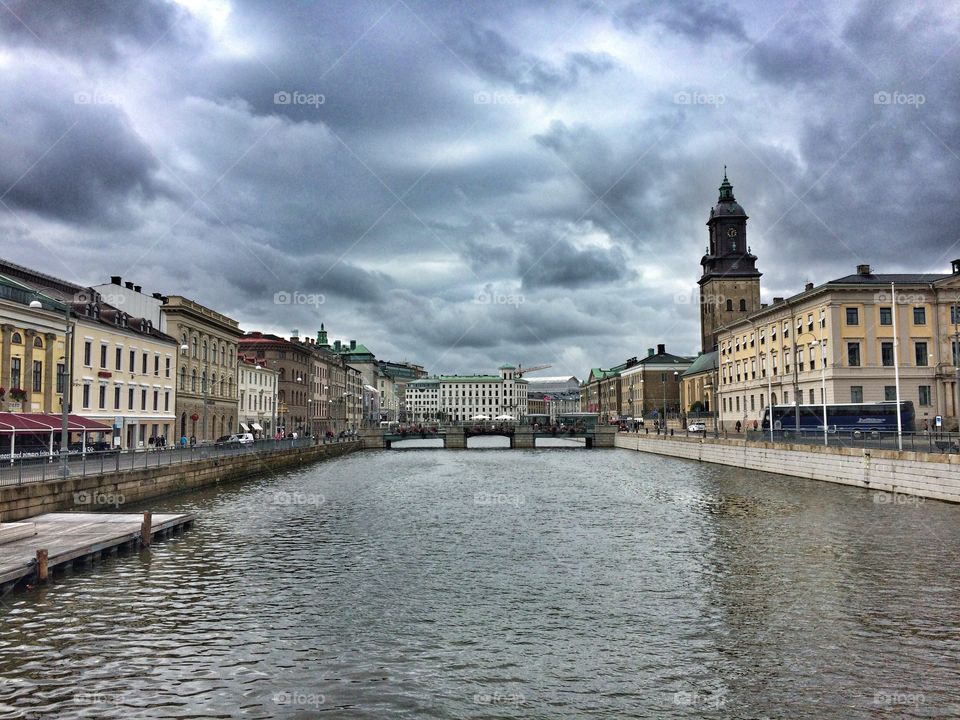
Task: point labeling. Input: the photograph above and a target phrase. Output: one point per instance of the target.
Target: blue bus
(846, 416)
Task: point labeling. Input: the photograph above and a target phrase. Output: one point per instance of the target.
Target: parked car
(697, 427)
(245, 438)
(228, 441)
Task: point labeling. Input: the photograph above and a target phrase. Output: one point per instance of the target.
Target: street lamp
(766, 370)
(896, 363)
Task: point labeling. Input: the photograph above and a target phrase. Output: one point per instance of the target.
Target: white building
(463, 397)
(257, 410)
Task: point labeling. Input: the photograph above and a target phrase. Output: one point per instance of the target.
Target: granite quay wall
(928, 475)
(113, 490)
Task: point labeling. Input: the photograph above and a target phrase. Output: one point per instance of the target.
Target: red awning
(41, 422)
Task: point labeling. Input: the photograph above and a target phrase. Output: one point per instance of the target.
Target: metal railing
(33, 469)
(928, 442)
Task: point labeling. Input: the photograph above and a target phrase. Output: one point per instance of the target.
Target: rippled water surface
(499, 584)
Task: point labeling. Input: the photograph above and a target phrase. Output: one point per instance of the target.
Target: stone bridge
(521, 436)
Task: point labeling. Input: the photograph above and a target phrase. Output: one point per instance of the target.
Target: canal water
(507, 584)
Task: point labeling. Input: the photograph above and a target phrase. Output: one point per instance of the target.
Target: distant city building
(293, 363)
(553, 396)
(698, 384)
(637, 388)
(207, 400)
(461, 398)
(257, 386)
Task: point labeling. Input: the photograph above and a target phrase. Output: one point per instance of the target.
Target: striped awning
(45, 422)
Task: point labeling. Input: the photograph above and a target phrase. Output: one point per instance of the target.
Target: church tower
(730, 284)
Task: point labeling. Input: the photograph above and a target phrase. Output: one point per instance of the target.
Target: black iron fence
(32, 469)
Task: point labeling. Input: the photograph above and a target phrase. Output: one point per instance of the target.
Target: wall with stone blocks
(101, 492)
(929, 475)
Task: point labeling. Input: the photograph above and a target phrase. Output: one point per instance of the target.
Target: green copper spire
(726, 189)
(322, 336)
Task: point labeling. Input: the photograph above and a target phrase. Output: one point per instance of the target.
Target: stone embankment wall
(110, 491)
(929, 475)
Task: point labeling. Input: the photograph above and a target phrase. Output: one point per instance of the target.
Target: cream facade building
(257, 397)
(460, 398)
(836, 342)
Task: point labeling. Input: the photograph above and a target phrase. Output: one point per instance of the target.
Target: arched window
(729, 305)
(221, 386)
(205, 356)
(743, 305)
(213, 384)
(16, 339)
(196, 347)
(223, 355)
(183, 378)
(203, 382)
(37, 343)
(193, 381)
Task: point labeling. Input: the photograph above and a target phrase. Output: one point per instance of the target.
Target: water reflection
(540, 583)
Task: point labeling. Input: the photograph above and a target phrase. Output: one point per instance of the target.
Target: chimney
(114, 279)
(353, 344)
(661, 349)
(808, 286)
(863, 270)
(955, 266)
(128, 285)
(763, 305)
(137, 288)
(295, 335)
(777, 300)
(157, 296)
(649, 352)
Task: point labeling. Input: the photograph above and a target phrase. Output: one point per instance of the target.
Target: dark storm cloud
(463, 230)
(72, 154)
(694, 19)
(559, 264)
(100, 29)
(494, 56)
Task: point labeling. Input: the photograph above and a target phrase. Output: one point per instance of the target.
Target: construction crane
(521, 371)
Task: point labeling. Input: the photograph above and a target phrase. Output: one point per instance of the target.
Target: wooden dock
(63, 538)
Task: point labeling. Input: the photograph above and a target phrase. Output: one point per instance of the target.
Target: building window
(812, 400)
(743, 305)
(61, 377)
(143, 364)
(919, 316)
(37, 375)
(955, 314)
(853, 316)
(925, 395)
(87, 352)
(890, 393)
(156, 365)
(956, 353)
(102, 399)
(130, 399)
(103, 357)
(118, 359)
(810, 322)
(156, 400)
(729, 305)
(143, 399)
(133, 361)
(886, 354)
(86, 395)
(786, 397)
(16, 339)
(15, 372)
(886, 316)
(920, 354)
(116, 397)
(166, 372)
(752, 404)
(856, 393)
(853, 354)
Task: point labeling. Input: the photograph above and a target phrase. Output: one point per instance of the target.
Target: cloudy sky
(466, 183)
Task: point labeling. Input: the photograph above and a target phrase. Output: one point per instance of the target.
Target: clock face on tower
(732, 232)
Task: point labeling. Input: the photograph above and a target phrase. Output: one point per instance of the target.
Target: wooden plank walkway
(78, 536)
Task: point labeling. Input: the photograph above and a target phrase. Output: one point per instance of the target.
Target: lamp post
(766, 371)
(896, 363)
(823, 381)
(663, 381)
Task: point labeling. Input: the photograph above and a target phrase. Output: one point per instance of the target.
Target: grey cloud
(560, 264)
(694, 19)
(107, 30)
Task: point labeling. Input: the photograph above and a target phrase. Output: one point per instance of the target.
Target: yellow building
(31, 350)
(835, 342)
(122, 367)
